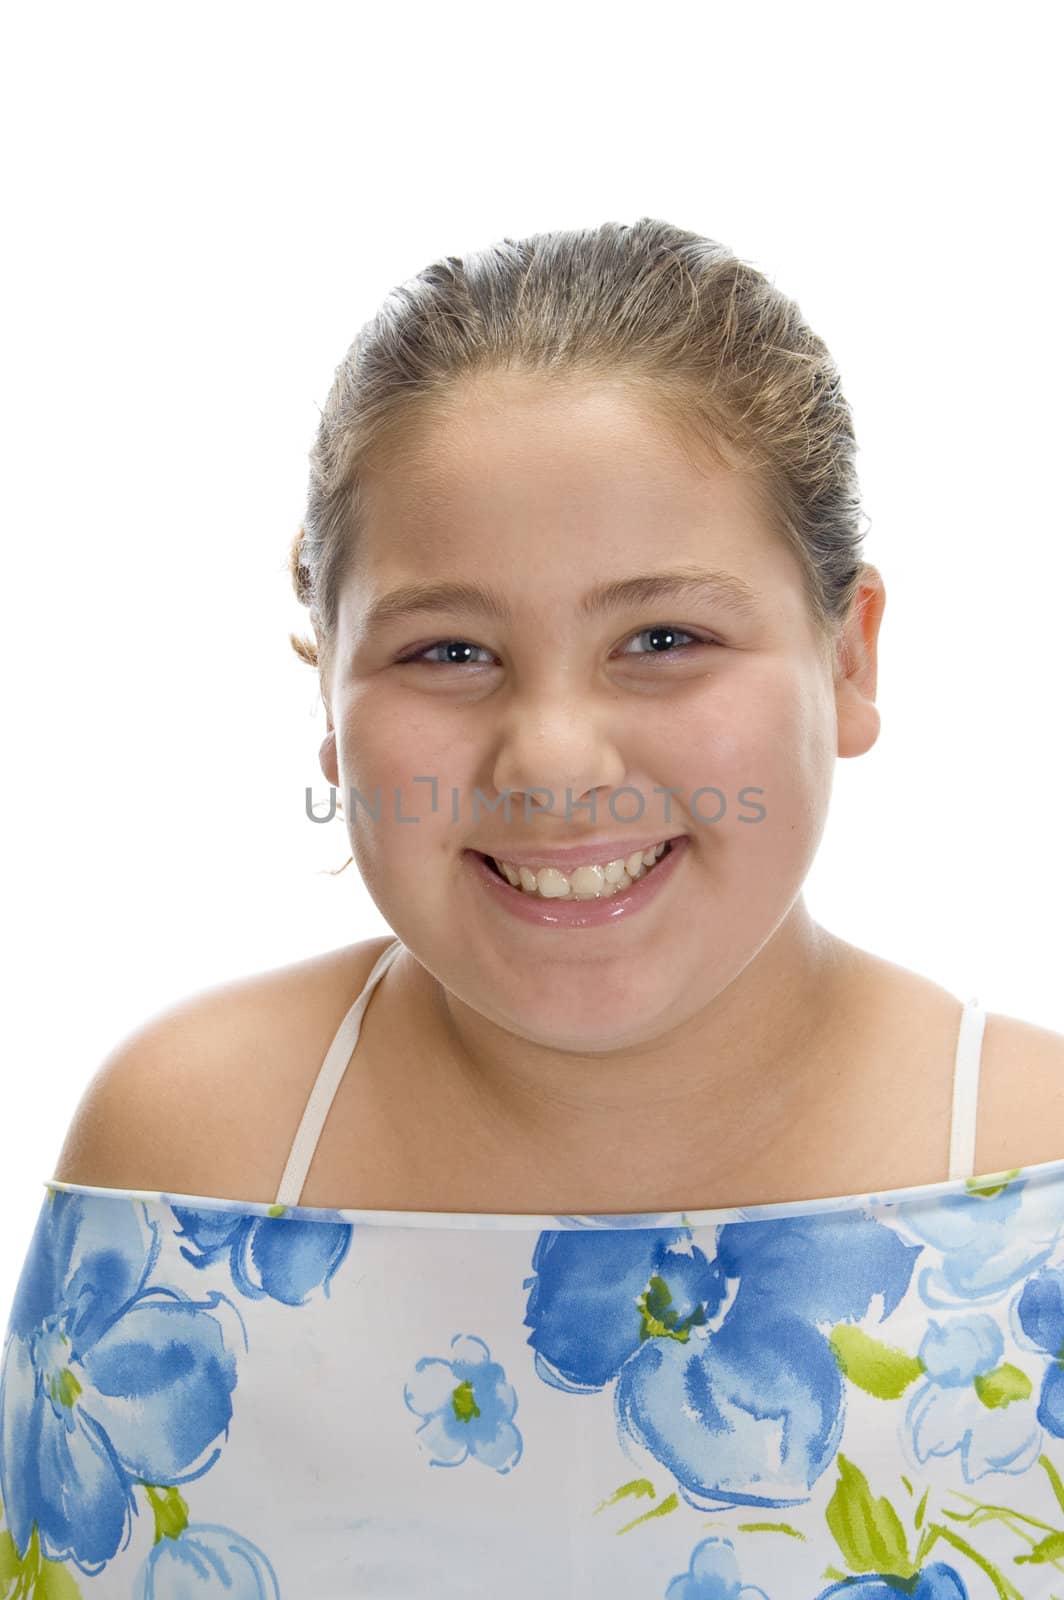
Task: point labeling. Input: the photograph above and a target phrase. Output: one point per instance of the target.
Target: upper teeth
(593, 881)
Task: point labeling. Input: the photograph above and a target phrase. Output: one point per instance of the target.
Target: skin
(620, 1035)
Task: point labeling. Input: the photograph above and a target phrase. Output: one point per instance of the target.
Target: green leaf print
(170, 1510)
(1054, 1479)
(1046, 1542)
(8, 1564)
(660, 1318)
(880, 1369)
(920, 1510)
(1051, 1548)
(638, 1489)
(55, 1583)
(1000, 1387)
(463, 1403)
(989, 1184)
(871, 1538)
(867, 1531)
(33, 1578)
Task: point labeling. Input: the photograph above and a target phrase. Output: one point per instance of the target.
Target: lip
(595, 850)
(590, 913)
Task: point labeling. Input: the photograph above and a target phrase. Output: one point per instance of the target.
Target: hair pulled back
(708, 344)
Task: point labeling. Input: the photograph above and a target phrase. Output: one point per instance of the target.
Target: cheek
(767, 747)
(391, 748)
(406, 769)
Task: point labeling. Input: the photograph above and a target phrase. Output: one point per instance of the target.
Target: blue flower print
(742, 1400)
(825, 1268)
(105, 1381)
(209, 1562)
(1040, 1314)
(971, 1403)
(276, 1256)
(467, 1405)
(936, 1582)
(990, 1239)
(713, 1575)
(585, 1308)
(749, 1415)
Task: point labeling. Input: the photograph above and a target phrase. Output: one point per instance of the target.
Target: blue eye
(662, 631)
(443, 644)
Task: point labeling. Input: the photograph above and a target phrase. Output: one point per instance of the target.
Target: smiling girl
(582, 563)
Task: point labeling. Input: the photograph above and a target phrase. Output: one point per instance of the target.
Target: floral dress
(858, 1396)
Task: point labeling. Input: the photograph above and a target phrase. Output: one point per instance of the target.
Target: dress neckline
(948, 1190)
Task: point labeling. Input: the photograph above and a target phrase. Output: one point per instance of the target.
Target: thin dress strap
(966, 1090)
(330, 1075)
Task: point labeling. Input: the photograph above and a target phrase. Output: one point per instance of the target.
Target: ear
(327, 758)
(856, 661)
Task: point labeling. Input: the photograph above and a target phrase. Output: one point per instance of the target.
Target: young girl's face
(724, 720)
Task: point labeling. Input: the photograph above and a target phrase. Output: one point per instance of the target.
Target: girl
(645, 1201)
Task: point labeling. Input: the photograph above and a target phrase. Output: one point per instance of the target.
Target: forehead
(560, 483)
(530, 445)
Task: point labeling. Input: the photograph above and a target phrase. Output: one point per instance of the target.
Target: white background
(204, 203)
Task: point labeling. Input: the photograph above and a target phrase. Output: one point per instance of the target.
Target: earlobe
(858, 719)
(858, 715)
(327, 758)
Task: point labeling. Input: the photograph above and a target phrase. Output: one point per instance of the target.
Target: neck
(752, 1062)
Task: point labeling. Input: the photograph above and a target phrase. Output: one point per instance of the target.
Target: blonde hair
(709, 346)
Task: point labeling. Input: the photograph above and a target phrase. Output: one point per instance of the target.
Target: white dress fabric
(858, 1395)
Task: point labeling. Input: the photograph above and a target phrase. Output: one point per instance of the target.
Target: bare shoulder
(1021, 1095)
(1020, 1106)
(208, 1091)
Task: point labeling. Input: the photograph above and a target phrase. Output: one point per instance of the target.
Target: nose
(556, 759)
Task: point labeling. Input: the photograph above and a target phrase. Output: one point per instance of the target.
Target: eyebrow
(725, 589)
